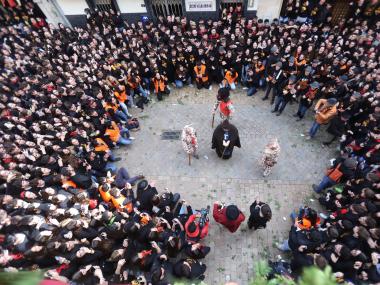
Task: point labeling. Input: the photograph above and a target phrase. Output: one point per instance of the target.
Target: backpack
(334, 173)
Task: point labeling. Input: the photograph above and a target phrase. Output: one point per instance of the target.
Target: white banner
(200, 5)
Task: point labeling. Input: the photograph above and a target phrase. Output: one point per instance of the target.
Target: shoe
(295, 115)
(196, 156)
(245, 88)
(132, 138)
(265, 98)
(279, 246)
(308, 138)
(278, 114)
(140, 176)
(323, 216)
(191, 85)
(299, 119)
(326, 143)
(273, 111)
(117, 159)
(210, 88)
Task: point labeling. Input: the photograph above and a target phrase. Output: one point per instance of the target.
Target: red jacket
(221, 218)
(199, 233)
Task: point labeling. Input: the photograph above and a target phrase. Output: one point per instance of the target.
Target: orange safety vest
(159, 85)
(121, 97)
(102, 146)
(106, 196)
(108, 106)
(223, 107)
(113, 133)
(118, 204)
(69, 183)
(230, 78)
(300, 63)
(259, 68)
(134, 85)
(201, 72)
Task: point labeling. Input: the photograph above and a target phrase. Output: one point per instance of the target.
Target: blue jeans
(124, 108)
(314, 129)
(121, 115)
(301, 110)
(325, 183)
(280, 104)
(142, 91)
(244, 70)
(178, 83)
(251, 91)
(111, 167)
(261, 82)
(122, 177)
(130, 97)
(122, 140)
(285, 246)
(111, 156)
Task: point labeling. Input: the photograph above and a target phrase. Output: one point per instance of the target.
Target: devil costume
(224, 139)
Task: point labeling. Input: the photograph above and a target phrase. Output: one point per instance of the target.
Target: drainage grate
(171, 135)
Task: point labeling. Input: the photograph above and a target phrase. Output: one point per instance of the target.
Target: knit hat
(332, 101)
(373, 177)
(142, 185)
(314, 85)
(350, 163)
(232, 212)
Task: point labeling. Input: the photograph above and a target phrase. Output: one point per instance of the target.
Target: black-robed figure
(224, 139)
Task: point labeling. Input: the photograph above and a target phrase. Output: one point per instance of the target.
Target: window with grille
(339, 11)
(167, 7)
(104, 5)
(226, 4)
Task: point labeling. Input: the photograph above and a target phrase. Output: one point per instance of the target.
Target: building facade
(72, 12)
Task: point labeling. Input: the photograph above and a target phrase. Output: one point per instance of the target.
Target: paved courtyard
(238, 180)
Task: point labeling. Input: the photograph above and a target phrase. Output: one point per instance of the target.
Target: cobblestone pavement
(238, 180)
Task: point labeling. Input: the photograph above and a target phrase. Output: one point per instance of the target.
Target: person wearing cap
(274, 81)
(325, 110)
(260, 214)
(229, 216)
(146, 195)
(284, 95)
(306, 100)
(224, 139)
(194, 231)
(342, 170)
(304, 79)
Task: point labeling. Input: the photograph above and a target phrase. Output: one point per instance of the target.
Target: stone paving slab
(238, 180)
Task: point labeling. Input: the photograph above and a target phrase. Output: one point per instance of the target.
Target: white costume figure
(189, 141)
(270, 156)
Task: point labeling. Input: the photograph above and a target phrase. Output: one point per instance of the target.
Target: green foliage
(310, 276)
(186, 282)
(315, 276)
(21, 278)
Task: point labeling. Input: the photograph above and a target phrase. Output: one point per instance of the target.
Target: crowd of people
(65, 100)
